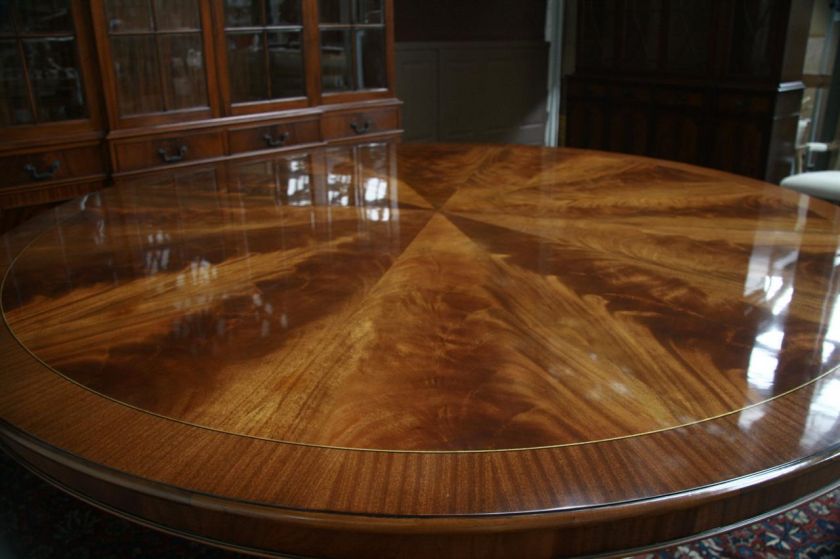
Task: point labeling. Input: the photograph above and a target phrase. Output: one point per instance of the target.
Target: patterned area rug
(38, 521)
(809, 531)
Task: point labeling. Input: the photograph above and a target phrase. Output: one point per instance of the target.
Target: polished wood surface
(471, 351)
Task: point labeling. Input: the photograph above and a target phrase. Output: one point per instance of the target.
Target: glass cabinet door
(263, 43)
(352, 45)
(158, 55)
(40, 74)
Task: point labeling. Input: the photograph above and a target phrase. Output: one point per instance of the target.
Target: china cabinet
(49, 103)
(715, 83)
(106, 89)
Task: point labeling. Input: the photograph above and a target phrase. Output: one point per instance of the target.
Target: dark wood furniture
(110, 88)
(414, 351)
(50, 105)
(714, 83)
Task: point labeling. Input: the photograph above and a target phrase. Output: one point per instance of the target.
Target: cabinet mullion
(311, 42)
(24, 64)
(267, 62)
(258, 28)
(266, 57)
(37, 35)
(354, 62)
(263, 14)
(162, 33)
(30, 93)
(164, 91)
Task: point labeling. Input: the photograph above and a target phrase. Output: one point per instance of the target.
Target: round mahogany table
(429, 351)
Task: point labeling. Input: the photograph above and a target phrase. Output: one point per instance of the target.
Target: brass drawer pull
(361, 129)
(273, 142)
(42, 175)
(173, 158)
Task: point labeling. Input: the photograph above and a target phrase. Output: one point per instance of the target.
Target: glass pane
(369, 11)
(334, 11)
(286, 65)
(249, 13)
(246, 60)
(243, 13)
(14, 108)
(177, 14)
(55, 78)
(128, 15)
(183, 65)
(282, 12)
(6, 16)
(370, 62)
(48, 16)
(138, 76)
(336, 66)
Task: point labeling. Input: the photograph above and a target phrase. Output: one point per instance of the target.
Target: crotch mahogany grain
(417, 350)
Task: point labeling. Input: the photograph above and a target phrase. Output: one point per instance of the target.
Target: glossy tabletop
(463, 347)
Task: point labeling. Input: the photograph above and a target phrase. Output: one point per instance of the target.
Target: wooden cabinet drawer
(273, 135)
(162, 151)
(359, 123)
(58, 164)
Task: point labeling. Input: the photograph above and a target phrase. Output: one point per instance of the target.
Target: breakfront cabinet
(709, 82)
(50, 109)
(99, 90)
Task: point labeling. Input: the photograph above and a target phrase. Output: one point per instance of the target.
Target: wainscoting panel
(473, 92)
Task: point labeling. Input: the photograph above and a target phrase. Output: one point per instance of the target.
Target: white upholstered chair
(822, 184)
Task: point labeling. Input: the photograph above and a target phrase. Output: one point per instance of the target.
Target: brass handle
(273, 142)
(361, 129)
(173, 158)
(42, 175)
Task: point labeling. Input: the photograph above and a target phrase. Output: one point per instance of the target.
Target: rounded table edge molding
(674, 519)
